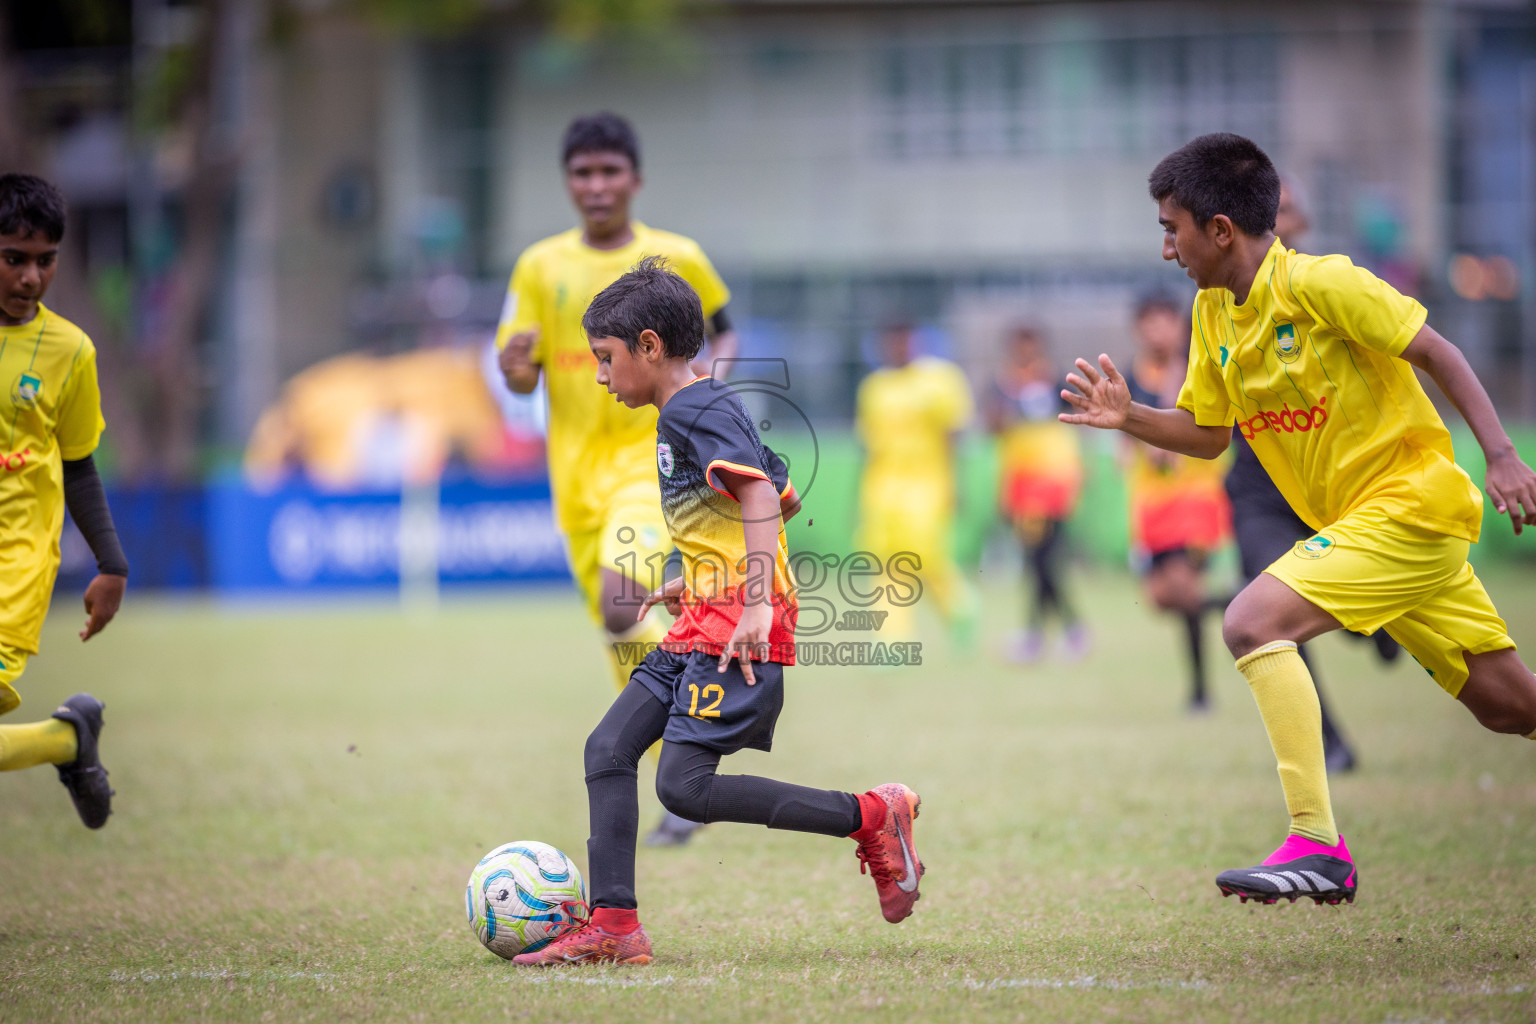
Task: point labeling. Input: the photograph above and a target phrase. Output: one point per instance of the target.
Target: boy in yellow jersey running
(602, 466)
(908, 414)
(1313, 358)
(51, 422)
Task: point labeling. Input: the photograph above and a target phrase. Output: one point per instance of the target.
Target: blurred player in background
(1314, 358)
(1179, 512)
(602, 462)
(1041, 476)
(718, 684)
(1265, 524)
(909, 415)
(54, 414)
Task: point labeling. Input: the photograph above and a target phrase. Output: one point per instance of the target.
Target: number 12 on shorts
(710, 710)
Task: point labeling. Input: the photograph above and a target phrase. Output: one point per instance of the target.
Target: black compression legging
(688, 786)
(1043, 559)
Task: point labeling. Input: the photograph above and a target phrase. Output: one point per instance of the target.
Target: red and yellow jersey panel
(1040, 459)
(705, 430)
(1176, 502)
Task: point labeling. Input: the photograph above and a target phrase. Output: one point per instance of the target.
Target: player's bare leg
(1263, 626)
(1500, 691)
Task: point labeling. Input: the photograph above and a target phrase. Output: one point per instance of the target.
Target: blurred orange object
(360, 419)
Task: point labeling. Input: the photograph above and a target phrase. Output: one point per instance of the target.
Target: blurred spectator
(1179, 511)
(1041, 465)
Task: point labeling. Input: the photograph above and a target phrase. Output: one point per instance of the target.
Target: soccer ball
(523, 896)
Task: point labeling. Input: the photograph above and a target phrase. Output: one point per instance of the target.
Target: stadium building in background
(960, 165)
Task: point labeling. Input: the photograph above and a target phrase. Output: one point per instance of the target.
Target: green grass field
(302, 792)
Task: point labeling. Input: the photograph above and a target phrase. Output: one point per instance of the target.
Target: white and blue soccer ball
(522, 896)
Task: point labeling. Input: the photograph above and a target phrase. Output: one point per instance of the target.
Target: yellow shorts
(1369, 572)
(633, 540)
(13, 662)
(905, 515)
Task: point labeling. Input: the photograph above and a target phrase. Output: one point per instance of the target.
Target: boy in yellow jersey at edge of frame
(53, 409)
(602, 460)
(1313, 358)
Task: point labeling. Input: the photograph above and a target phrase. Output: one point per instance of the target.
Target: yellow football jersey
(51, 412)
(597, 447)
(905, 416)
(1307, 368)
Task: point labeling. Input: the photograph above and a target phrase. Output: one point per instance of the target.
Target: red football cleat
(889, 853)
(590, 944)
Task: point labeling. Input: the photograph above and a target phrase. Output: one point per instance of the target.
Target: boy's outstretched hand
(1512, 486)
(1105, 400)
(103, 597)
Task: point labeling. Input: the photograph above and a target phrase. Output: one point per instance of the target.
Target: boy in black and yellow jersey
(51, 424)
(600, 471)
(715, 684)
(1313, 359)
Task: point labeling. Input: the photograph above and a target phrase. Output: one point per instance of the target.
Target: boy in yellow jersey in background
(602, 463)
(1313, 359)
(908, 415)
(51, 423)
(1040, 465)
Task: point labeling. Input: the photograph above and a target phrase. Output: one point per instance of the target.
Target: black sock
(1044, 564)
(1195, 632)
(688, 786)
(633, 722)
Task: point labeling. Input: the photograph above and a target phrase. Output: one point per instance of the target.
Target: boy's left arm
(87, 503)
(78, 430)
(1509, 481)
(760, 523)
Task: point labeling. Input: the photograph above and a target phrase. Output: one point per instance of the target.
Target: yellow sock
(48, 742)
(634, 643)
(1287, 701)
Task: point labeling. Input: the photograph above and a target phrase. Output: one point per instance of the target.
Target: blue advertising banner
(299, 538)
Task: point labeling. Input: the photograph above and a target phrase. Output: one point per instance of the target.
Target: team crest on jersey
(1314, 547)
(664, 458)
(25, 391)
(1287, 348)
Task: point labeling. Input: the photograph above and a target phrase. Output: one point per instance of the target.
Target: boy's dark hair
(1220, 173)
(30, 205)
(650, 297)
(601, 133)
(1153, 302)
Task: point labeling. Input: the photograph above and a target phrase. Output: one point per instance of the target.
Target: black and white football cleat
(84, 777)
(1300, 867)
